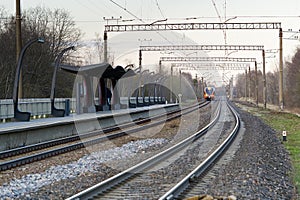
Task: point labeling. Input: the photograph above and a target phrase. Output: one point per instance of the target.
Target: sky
(90, 16)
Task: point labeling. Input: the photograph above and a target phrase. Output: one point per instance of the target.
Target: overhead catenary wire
(162, 14)
(138, 18)
(124, 8)
(219, 16)
(90, 9)
(104, 8)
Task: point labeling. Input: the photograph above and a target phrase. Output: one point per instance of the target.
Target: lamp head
(41, 40)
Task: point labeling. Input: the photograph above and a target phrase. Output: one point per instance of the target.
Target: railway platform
(18, 134)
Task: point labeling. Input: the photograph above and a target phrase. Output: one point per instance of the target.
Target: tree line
(59, 31)
(291, 84)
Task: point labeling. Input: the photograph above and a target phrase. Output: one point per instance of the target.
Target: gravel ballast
(260, 168)
(125, 152)
(88, 164)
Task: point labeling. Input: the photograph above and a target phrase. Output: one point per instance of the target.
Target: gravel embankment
(260, 168)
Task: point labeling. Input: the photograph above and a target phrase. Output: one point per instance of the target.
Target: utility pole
(280, 71)
(105, 35)
(264, 79)
(19, 42)
(171, 86)
(246, 84)
(249, 85)
(256, 85)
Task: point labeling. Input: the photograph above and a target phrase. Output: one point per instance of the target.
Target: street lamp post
(18, 115)
(55, 111)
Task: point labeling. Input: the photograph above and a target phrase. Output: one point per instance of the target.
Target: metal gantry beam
(205, 59)
(202, 47)
(207, 68)
(214, 59)
(210, 48)
(210, 66)
(191, 26)
(204, 26)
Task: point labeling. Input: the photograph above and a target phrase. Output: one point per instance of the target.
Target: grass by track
(291, 123)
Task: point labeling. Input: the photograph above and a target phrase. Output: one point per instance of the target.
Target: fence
(42, 106)
(37, 107)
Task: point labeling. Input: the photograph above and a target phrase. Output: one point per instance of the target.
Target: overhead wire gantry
(212, 48)
(217, 59)
(204, 26)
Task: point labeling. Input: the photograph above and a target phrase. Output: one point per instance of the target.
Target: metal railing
(37, 107)
(41, 107)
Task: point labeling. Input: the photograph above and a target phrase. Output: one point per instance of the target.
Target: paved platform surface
(36, 123)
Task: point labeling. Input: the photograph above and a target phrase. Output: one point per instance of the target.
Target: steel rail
(51, 143)
(39, 156)
(123, 176)
(204, 166)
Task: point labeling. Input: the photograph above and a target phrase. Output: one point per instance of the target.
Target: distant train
(209, 93)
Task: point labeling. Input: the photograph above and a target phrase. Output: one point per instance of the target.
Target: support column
(249, 85)
(171, 86)
(231, 88)
(79, 90)
(140, 67)
(264, 80)
(202, 87)
(106, 105)
(89, 98)
(246, 84)
(19, 43)
(180, 82)
(256, 85)
(115, 99)
(140, 59)
(159, 66)
(281, 105)
(105, 47)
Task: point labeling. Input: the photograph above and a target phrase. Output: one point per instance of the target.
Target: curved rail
(204, 166)
(47, 144)
(123, 176)
(39, 156)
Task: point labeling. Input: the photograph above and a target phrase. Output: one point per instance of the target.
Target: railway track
(156, 176)
(28, 154)
(191, 185)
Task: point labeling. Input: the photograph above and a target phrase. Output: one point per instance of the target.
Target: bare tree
(7, 55)
(99, 47)
(292, 90)
(59, 31)
(272, 87)
(240, 85)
